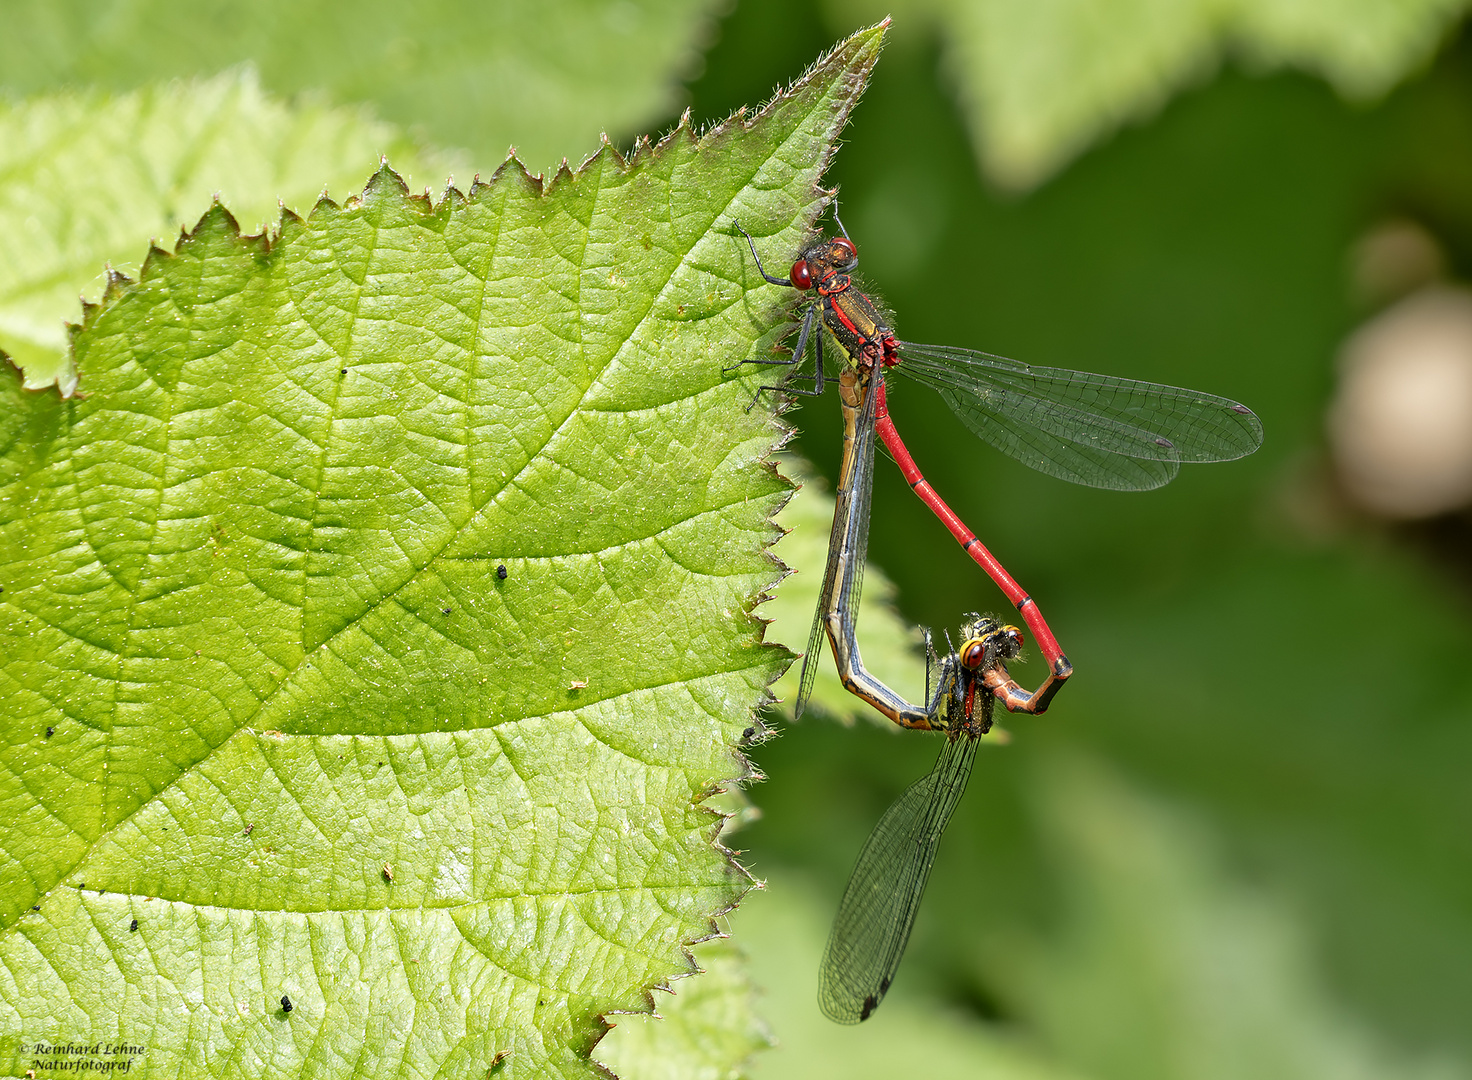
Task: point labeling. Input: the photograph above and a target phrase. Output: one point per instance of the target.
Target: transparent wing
(857, 500)
(810, 658)
(850, 536)
(883, 895)
(1096, 430)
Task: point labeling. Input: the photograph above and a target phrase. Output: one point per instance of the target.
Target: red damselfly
(838, 602)
(1096, 430)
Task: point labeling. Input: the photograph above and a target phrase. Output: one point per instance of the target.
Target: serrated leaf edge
(218, 224)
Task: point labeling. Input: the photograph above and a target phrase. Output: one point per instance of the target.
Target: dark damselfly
(883, 896)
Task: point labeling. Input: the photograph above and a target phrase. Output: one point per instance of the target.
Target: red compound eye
(973, 653)
(801, 277)
(845, 242)
(1016, 636)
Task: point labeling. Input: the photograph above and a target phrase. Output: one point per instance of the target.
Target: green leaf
(708, 1028)
(1040, 82)
(546, 77)
(891, 648)
(265, 690)
(90, 177)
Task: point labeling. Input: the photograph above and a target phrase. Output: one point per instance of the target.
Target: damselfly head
(978, 626)
(841, 254)
(988, 642)
(824, 257)
(977, 649)
(974, 654)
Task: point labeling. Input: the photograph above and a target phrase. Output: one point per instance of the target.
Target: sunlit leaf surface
(377, 618)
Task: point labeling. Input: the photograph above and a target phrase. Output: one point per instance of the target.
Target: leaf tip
(11, 366)
(845, 67)
(453, 196)
(385, 184)
(116, 283)
(216, 227)
(619, 161)
(642, 148)
(514, 168)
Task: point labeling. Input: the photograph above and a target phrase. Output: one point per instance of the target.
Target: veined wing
(1096, 430)
(810, 658)
(856, 498)
(883, 895)
(848, 542)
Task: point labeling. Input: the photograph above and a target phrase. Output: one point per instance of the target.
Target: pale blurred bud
(1400, 426)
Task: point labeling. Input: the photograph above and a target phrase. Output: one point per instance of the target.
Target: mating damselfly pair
(1096, 430)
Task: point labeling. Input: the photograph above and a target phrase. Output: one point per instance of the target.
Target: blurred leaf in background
(706, 1027)
(91, 177)
(545, 77)
(1162, 966)
(1039, 82)
(102, 120)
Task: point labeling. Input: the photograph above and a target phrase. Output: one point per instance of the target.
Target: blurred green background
(1240, 844)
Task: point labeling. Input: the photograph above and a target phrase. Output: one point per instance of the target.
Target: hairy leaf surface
(274, 723)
